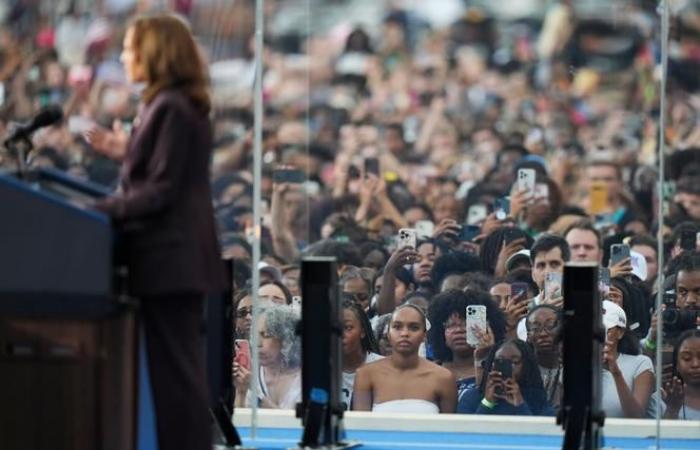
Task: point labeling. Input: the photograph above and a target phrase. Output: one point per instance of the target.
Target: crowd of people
(410, 125)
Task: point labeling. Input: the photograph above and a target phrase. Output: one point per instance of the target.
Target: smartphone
(618, 252)
(296, 303)
(476, 214)
(502, 208)
(467, 233)
(294, 176)
(598, 198)
(79, 74)
(553, 284)
(688, 240)
(519, 289)
(511, 234)
(476, 316)
(505, 366)
(604, 281)
(372, 166)
(242, 351)
(526, 180)
(78, 125)
(425, 228)
(408, 237)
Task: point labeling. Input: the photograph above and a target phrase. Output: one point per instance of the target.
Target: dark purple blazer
(164, 205)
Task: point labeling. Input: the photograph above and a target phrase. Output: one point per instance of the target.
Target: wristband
(649, 345)
(488, 404)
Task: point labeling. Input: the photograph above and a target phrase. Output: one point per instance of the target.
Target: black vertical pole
(581, 414)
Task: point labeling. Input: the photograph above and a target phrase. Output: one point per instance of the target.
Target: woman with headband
(405, 382)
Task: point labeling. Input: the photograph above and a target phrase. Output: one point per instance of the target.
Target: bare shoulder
(374, 366)
(437, 371)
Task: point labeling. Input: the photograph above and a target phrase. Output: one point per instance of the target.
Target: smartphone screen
(598, 198)
(293, 176)
(372, 166)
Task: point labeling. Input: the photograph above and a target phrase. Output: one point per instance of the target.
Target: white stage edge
(466, 423)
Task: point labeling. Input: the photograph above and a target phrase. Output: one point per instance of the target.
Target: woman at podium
(163, 208)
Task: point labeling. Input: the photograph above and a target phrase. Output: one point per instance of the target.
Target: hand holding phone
(619, 252)
(552, 286)
(371, 166)
(502, 208)
(505, 367)
(518, 290)
(526, 181)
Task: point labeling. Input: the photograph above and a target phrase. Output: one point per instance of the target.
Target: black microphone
(47, 116)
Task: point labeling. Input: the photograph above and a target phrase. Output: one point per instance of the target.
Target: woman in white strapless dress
(404, 382)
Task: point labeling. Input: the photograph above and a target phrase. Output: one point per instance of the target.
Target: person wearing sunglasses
(543, 325)
(243, 312)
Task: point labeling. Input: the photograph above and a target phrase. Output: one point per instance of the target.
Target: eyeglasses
(452, 326)
(548, 328)
(241, 313)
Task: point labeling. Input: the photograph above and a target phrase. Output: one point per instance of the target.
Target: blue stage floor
(282, 438)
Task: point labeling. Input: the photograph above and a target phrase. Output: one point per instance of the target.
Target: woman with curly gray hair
(279, 349)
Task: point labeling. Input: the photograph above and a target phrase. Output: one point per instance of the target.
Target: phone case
(552, 284)
(598, 198)
(526, 180)
(476, 315)
(242, 353)
(618, 252)
(407, 237)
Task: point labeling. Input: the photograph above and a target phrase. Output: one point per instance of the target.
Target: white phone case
(408, 237)
(526, 180)
(476, 316)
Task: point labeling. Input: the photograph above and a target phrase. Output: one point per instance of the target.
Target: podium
(68, 340)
